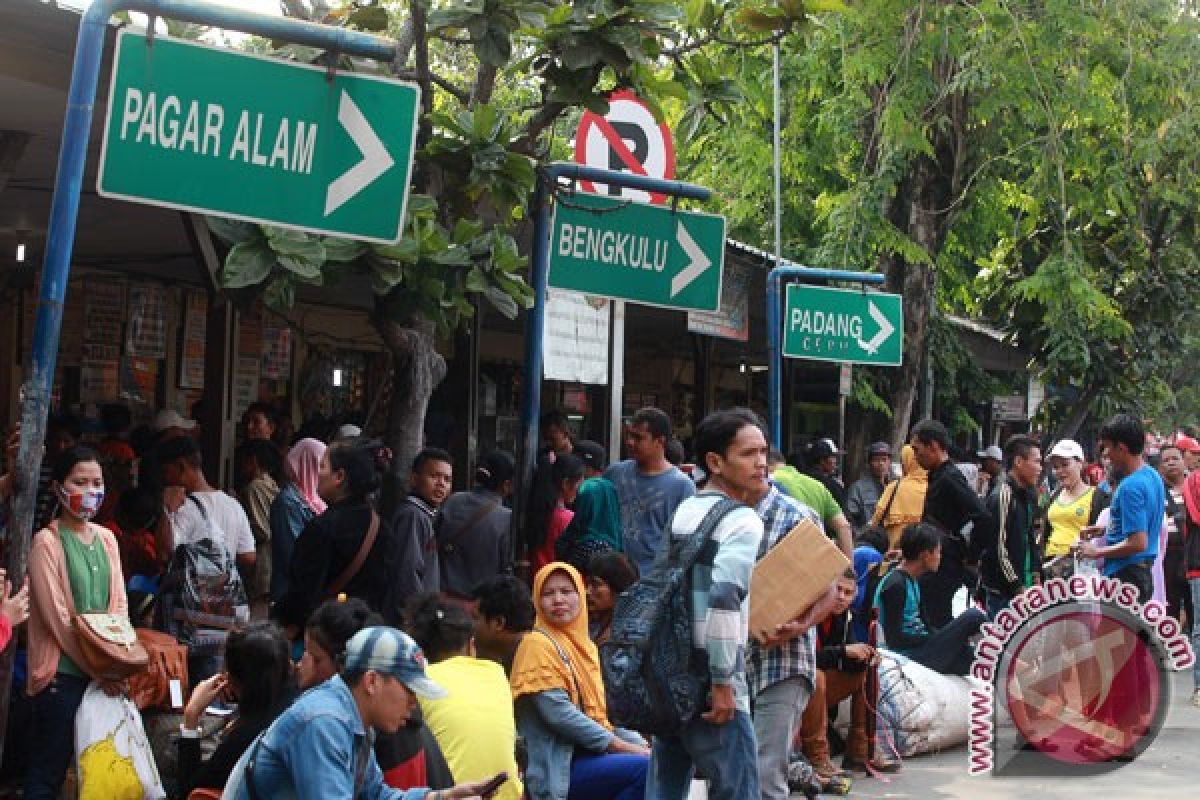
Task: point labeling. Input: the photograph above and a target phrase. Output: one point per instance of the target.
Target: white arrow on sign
(886, 329)
(376, 159)
(698, 262)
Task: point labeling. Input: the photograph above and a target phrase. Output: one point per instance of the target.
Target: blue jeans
(52, 743)
(1194, 585)
(725, 754)
(611, 776)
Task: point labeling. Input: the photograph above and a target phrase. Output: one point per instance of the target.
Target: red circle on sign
(613, 140)
(1084, 688)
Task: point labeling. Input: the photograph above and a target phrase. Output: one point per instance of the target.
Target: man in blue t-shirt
(1136, 515)
(649, 488)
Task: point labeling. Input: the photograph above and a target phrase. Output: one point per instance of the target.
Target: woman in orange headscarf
(574, 752)
(902, 502)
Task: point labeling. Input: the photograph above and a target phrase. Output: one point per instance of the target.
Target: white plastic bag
(112, 756)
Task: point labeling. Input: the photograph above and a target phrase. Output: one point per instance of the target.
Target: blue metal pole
(535, 323)
(775, 279)
(64, 211)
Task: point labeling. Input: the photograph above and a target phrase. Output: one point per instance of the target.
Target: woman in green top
(74, 567)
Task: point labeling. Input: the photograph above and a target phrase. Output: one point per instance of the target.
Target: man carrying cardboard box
(782, 674)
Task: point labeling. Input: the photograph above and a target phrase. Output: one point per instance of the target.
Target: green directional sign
(847, 325)
(201, 128)
(631, 251)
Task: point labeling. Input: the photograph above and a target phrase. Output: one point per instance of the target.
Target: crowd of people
(400, 646)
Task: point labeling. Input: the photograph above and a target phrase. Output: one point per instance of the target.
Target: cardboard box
(792, 577)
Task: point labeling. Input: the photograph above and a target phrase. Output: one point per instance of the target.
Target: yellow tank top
(1066, 520)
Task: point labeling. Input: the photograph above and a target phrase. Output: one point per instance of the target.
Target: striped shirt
(721, 589)
(796, 657)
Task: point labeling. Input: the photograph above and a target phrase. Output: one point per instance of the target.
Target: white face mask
(83, 505)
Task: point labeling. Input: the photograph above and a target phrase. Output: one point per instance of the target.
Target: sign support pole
(775, 279)
(64, 212)
(535, 324)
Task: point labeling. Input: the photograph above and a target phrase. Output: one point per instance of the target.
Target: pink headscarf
(303, 461)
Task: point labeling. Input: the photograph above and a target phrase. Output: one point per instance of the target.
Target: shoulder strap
(356, 563)
(203, 513)
(690, 549)
(566, 660)
(476, 518)
(895, 487)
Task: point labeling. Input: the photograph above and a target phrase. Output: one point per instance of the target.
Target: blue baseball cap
(391, 652)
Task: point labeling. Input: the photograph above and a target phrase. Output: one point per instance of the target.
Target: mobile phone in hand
(489, 788)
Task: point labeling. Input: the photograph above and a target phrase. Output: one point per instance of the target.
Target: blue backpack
(655, 678)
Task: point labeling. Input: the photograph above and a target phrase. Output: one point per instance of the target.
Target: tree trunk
(1079, 414)
(417, 369)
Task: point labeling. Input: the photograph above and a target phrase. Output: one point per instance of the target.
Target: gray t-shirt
(647, 503)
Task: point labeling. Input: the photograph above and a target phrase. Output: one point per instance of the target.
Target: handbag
(109, 646)
(151, 688)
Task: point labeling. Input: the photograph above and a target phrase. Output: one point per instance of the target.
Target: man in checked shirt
(781, 672)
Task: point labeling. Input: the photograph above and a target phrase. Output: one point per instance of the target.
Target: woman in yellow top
(1070, 508)
(574, 751)
(902, 502)
(473, 723)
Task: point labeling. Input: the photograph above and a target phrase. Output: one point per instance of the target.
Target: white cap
(347, 431)
(1067, 448)
(170, 418)
(991, 452)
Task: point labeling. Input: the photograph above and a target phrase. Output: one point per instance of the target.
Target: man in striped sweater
(720, 742)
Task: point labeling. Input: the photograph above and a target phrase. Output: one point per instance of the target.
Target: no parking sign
(627, 138)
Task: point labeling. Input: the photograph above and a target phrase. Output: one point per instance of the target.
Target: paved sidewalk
(1169, 768)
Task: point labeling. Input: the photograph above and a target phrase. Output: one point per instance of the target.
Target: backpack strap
(689, 550)
(359, 559)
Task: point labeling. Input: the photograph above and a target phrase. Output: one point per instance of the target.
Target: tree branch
(485, 84)
(461, 94)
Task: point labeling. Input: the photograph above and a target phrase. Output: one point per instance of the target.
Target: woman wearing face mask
(74, 567)
(574, 751)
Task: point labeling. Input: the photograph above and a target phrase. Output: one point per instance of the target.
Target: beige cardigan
(51, 631)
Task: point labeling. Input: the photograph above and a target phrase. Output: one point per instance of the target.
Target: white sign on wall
(576, 343)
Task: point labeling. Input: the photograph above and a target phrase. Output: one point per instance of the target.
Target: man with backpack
(719, 740)
(195, 510)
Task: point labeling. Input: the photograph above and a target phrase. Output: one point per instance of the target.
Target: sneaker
(1196, 698)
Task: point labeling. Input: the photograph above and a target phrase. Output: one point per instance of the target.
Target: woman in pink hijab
(297, 503)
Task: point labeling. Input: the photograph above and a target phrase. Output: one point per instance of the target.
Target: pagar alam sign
(631, 251)
(206, 129)
(845, 325)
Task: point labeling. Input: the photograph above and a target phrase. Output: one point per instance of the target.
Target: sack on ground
(919, 710)
(151, 688)
(656, 680)
(112, 756)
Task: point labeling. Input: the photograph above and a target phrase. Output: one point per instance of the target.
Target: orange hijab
(903, 500)
(539, 665)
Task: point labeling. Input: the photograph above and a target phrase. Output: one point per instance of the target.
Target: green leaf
(344, 249)
(494, 47)
(765, 21)
(501, 301)
(248, 264)
(232, 231)
(280, 294)
(370, 18)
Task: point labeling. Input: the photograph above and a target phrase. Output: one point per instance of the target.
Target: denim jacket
(317, 749)
(553, 729)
